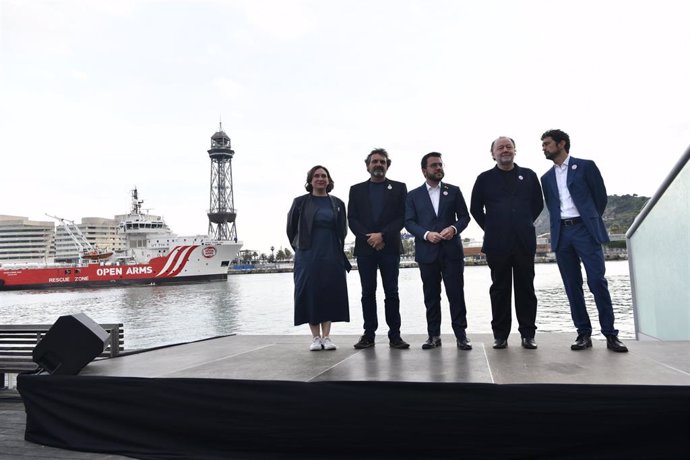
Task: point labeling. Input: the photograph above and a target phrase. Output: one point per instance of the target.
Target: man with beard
(376, 211)
(435, 214)
(576, 198)
(506, 200)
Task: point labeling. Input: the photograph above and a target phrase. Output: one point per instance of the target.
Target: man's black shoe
(365, 342)
(529, 343)
(582, 342)
(612, 343)
(431, 342)
(464, 344)
(500, 343)
(399, 343)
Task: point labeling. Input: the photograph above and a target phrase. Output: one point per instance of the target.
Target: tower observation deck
(221, 213)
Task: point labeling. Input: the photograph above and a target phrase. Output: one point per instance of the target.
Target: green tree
(246, 256)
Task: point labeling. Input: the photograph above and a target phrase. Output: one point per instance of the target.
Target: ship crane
(86, 249)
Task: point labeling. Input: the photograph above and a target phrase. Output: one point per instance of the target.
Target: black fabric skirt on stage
(154, 418)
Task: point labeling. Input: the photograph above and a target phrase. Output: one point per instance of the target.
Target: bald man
(506, 200)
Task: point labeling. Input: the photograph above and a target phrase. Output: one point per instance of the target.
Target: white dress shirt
(435, 195)
(568, 208)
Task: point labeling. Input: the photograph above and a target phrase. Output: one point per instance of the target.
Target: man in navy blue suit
(436, 214)
(576, 198)
(506, 200)
(376, 212)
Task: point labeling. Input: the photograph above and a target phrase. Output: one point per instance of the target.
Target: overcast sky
(97, 97)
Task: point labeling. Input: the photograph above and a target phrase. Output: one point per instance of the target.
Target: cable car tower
(221, 214)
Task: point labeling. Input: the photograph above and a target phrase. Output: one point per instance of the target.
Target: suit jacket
(391, 221)
(507, 216)
(421, 218)
(588, 191)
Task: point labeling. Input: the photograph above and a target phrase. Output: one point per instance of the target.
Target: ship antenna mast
(136, 202)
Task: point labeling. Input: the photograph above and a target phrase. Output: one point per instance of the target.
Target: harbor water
(262, 304)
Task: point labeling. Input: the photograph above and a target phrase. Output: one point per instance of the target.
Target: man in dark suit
(576, 198)
(506, 200)
(436, 214)
(376, 212)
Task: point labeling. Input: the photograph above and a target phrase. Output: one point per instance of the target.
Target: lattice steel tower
(221, 214)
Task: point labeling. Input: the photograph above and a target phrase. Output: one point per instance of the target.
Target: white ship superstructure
(147, 236)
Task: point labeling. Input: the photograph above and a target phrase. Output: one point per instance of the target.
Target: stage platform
(269, 397)
(259, 357)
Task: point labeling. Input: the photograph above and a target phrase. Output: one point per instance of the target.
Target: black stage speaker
(70, 344)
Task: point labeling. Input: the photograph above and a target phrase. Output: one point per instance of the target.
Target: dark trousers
(506, 268)
(451, 272)
(575, 245)
(389, 266)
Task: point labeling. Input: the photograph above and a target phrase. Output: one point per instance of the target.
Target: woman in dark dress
(316, 227)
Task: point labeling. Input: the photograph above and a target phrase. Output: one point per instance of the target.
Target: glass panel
(659, 251)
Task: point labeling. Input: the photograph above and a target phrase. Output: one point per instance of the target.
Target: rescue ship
(152, 255)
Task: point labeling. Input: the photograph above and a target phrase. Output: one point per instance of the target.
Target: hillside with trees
(619, 215)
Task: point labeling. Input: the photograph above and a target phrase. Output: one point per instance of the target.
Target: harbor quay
(405, 262)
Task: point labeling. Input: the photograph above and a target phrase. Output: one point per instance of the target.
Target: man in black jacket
(376, 212)
(506, 200)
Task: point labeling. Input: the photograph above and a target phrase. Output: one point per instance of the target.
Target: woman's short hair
(310, 176)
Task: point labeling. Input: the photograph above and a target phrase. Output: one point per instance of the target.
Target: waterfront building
(26, 241)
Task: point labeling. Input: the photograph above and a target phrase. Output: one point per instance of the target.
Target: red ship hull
(183, 264)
